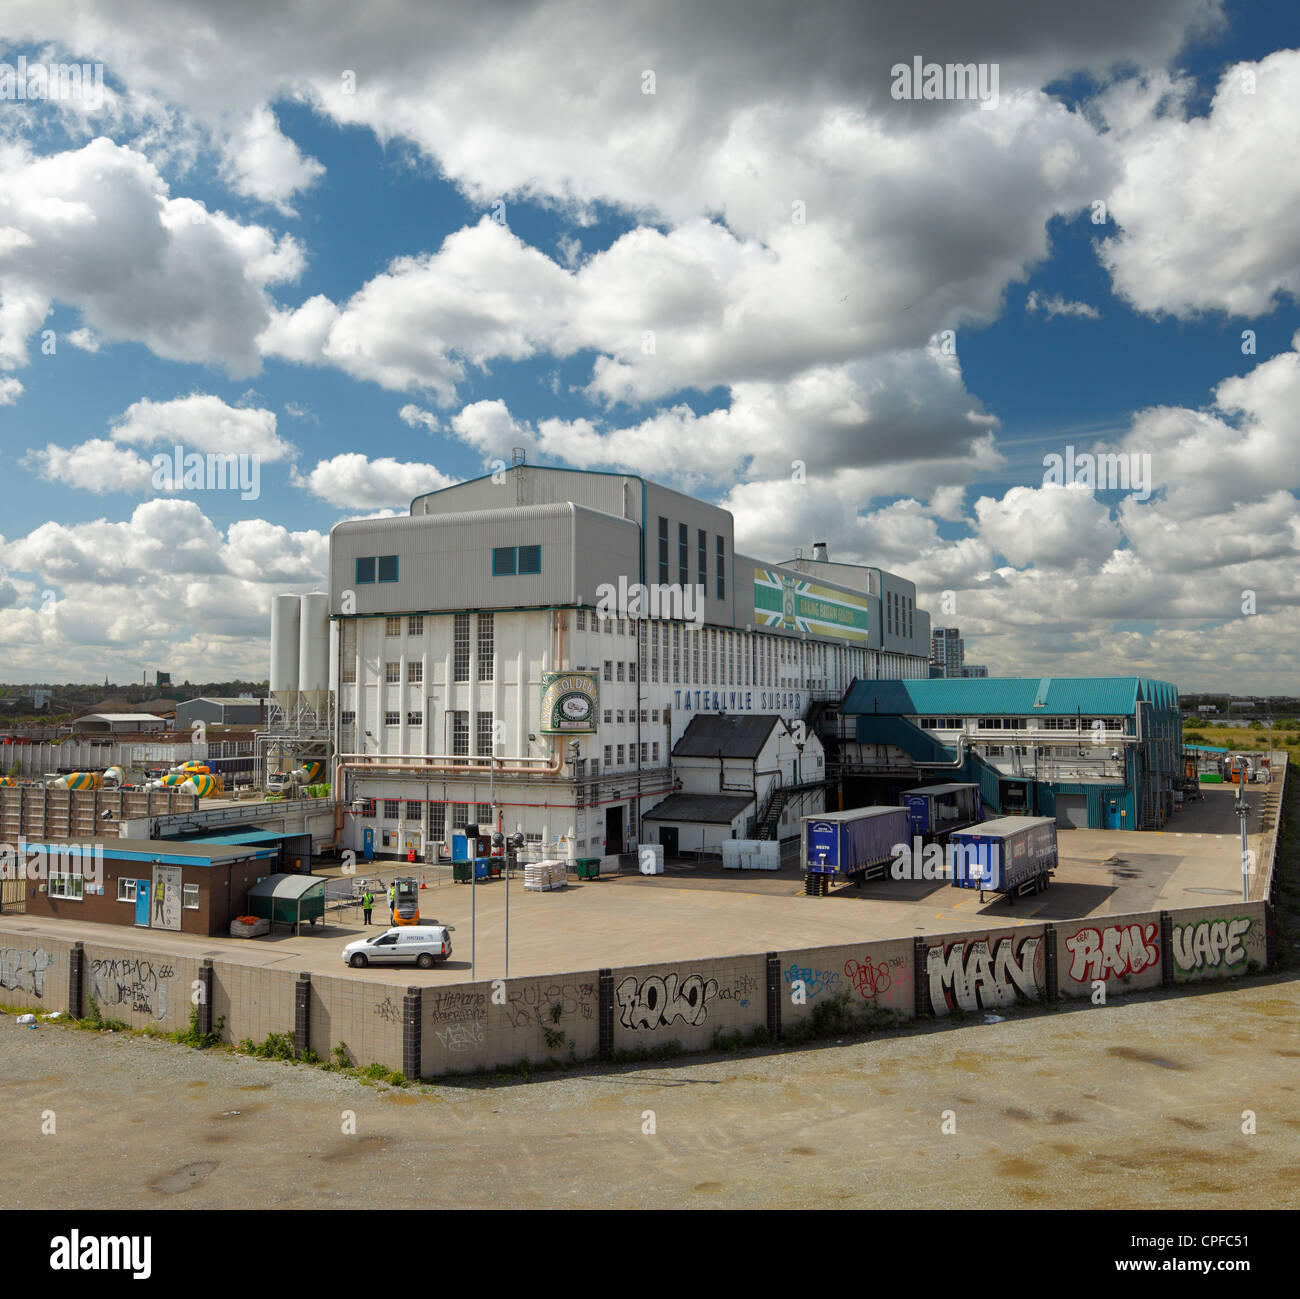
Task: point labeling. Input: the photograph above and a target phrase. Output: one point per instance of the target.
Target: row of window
(614, 756)
(1020, 723)
(71, 888)
(898, 614)
(376, 568)
(701, 560)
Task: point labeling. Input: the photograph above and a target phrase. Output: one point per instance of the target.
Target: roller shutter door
(1072, 811)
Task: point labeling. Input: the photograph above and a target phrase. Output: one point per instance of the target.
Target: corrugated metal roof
(1060, 696)
(733, 735)
(711, 809)
(287, 886)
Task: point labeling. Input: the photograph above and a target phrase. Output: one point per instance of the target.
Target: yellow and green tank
(78, 780)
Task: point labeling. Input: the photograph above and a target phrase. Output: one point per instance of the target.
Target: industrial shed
(288, 899)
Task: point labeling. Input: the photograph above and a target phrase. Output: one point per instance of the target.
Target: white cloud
(417, 417)
(10, 391)
(262, 163)
(202, 422)
(1056, 305)
(354, 480)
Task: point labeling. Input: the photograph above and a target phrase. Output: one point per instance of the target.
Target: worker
(392, 892)
(367, 904)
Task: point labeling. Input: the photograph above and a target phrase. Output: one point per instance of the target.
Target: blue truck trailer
(857, 844)
(935, 811)
(1012, 855)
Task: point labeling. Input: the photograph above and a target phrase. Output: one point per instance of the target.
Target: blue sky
(625, 213)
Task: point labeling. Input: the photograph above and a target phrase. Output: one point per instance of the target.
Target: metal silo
(285, 617)
(314, 642)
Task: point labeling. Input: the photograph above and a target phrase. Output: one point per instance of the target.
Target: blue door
(142, 903)
(368, 844)
(1113, 819)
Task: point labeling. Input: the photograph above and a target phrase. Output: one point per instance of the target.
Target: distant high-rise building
(974, 670)
(946, 651)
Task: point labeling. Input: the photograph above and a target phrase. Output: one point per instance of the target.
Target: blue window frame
(530, 559)
(503, 561)
(509, 560)
(365, 570)
(388, 568)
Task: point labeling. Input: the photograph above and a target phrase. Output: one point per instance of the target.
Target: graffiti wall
(254, 1002)
(688, 1002)
(34, 973)
(365, 1017)
(983, 971)
(140, 989)
(1218, 942)
(503, 1021)
(876, 974)
(1122, 953)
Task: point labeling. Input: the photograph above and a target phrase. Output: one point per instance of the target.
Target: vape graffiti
(1113, 953)
(1210, 944)
(138, 985)
(971, 976)
(814, 981)
(24, 971)
(655, 1002)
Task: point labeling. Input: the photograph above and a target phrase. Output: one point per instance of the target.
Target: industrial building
(947, 652)
(220, 712)
(539, 641)
(1094, 752)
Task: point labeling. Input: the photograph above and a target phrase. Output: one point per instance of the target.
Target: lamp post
(1241, 808)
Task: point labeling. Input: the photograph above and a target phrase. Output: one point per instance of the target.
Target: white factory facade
(525, 650)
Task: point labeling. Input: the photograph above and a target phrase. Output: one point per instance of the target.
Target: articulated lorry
(935, 811)
(1011, 856)
(858, 844)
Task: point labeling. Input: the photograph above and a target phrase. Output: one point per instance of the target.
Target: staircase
(769, 816)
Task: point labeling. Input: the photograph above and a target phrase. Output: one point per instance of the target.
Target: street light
(1241, 808)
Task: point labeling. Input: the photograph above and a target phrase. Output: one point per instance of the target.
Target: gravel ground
(1138, 1104)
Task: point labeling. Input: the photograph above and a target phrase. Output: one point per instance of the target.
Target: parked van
(421, 945)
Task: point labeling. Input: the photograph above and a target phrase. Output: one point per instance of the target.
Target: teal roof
(1026, 696)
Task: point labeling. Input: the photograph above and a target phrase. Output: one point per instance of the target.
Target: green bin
(460, 871)
(588, 868)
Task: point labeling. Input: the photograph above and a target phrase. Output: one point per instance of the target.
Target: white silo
(285, 618)
(314, 642)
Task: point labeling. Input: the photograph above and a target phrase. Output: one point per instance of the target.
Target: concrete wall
(143, 989)
(34, 972)
(457, 1028)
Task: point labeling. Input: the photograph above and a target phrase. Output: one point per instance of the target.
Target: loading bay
(701, 910)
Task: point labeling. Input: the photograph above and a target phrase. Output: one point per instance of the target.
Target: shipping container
(858, 843)
(935, 811)
(1012, 855)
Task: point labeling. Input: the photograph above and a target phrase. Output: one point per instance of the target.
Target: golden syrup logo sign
(569, 702)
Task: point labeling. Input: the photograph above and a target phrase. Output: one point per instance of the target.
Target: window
(620, 717)
(663, 550)
(695, 654)
(414, 674)
(677, 653)
(365, 571)
(190, 897)
(348, 717)
(460, 733)
(620, 755)
(483, 813)
(126, 890)
(460, 648)
(388, 568)
(415, 719)
(702, 559)
(367, 810)
(580, 622)
(486, 646)
(393, 673)
(415, 626)
(483, 733)
(654, 751)
(392, 626)
(609, 669)
(530, 559)
(643, 715)
(437, 822)
(722, 560)
(609, 716)
(348, 675)
(503, 561)
(392, 809)
(392, 719)
(654, 714)
(413, 812)
(683, 554)
(459, 816)
(631, 671)
(609, 752)
(644, 747)
(654, 654)
(620, 669)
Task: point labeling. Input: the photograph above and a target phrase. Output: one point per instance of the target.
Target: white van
(421, 945)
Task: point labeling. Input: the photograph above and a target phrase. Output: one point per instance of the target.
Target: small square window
(530, 559)
(190, 897)
(126, 890)
(391, 809)
(365, 570)
(392, 626)
(503, 561)
(388, 568)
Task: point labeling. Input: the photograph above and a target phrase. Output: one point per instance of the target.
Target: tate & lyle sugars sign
(794, 604)
(569, 703)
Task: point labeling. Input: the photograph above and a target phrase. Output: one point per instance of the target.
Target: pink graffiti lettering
(1113, 953)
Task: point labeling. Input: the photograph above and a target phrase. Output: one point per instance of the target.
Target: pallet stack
(543, 876)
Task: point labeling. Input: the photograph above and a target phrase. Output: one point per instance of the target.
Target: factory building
(525, 651)
(1094, 752)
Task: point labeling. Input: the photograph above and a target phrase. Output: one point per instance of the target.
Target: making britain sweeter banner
(795, 604)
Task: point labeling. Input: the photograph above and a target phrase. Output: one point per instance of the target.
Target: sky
(375, 248)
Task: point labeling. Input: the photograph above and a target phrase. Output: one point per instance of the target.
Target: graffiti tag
(24, 971)
(655, 1002)
(532, 1003)
(1113, 953)
(974, 976)
(387, 1010)
(1210, 944)
(814, 981)
(137, 984)
(868, 979)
